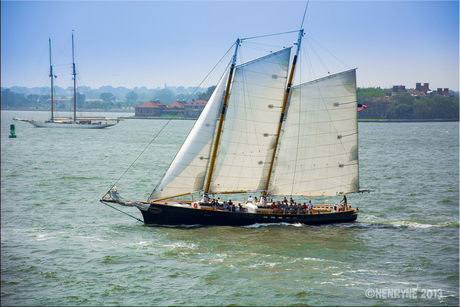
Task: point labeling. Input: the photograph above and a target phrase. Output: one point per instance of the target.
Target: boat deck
(267, 209)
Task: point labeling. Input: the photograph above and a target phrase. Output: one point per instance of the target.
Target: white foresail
(188, 170)
(251, 123)
(318, 152)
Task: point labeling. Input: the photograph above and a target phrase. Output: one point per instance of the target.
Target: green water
(60, 246)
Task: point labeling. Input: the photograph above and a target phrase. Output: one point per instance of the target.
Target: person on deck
(250, 199)
(310, 206)
(344, 201)
(263, 201)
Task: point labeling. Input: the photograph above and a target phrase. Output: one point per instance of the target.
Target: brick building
(194, 108)
(150, 109)
(175, 108)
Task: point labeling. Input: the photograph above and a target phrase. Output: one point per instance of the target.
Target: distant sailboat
(81, 122)
(260, 134)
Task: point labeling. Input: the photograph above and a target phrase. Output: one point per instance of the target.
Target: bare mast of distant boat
(52, 84)
(82, 122)
(74, 73)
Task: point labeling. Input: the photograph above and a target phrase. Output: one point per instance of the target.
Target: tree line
(399, 106)
(404, 106)
(105, 101)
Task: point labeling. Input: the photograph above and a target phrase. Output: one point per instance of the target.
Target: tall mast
(74, 73)
(221, 120)
(52, 83)
(283, 111)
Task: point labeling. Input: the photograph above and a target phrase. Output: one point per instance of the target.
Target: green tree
(207, 95)
(81, 99)
(444, 107)
(96, 104)
(131, 97)
(181, 97)
(33, 98)
(403, 110)
(107, 97)
(164, 95)
(366, 93)
(44, 99)
(400, 99)
(403, 98)
(422, 109)
(12, 99)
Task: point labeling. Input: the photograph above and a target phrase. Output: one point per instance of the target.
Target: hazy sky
(150, 43)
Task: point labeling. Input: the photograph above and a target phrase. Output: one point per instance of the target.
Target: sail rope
(169, 121)
(326, 51)
(142, 152)
(268, 35)
(319, 58)
(122, 211)
(44, 79)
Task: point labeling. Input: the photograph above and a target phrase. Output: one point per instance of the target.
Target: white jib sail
(251, 124)
(188, 170)
(318, 152)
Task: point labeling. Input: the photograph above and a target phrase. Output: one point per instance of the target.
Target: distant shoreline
(163, 118)
(359, 120)
(82, 110)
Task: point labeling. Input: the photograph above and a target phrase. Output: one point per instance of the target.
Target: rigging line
(307, 64)
(329, 52)
(122, 212)
(221, 59)
(61, 53)
(305, 13)
(317, 55)
(165, 125)
(38, 68)
(138, 156)
(242, 39)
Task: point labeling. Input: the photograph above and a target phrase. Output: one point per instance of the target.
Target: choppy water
(60, 246)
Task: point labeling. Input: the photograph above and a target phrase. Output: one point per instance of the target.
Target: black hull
(176, 216)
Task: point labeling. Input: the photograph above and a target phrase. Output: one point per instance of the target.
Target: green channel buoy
(12, 131)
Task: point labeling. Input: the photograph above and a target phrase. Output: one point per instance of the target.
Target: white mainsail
(188, 170)
(251, 124)
(318, 154)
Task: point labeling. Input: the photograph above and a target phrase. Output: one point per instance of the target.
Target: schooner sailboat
(260, 134)
(81, 122)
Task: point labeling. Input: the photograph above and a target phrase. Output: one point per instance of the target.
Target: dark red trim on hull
(176, 216)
